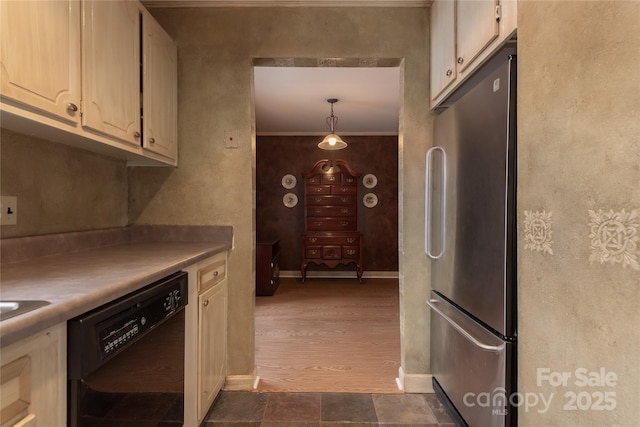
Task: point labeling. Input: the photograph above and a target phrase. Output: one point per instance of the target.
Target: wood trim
(333, 274)
(242, 382)
(415, 383)
(290, 3)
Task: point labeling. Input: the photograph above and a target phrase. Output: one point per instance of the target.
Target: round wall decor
(369, 180)
(289, 181)
(370, 200)
(290, 200)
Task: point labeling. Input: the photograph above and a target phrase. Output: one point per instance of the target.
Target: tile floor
(253, 409)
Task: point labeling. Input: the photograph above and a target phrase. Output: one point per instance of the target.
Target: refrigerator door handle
(428, 217)
(492, 348)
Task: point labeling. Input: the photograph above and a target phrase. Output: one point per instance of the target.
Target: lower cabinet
(212, 341)
(33, 380)
(205, 337)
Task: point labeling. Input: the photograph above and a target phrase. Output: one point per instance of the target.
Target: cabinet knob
(205, 303)
(449, 72)
(136, 134)
(72, 108)
(460, 60)
(215, 273)
(152, 140)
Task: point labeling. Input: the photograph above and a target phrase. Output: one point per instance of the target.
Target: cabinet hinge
(498, 13)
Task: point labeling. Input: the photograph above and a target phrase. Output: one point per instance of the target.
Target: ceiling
(293, 100)
(291, 94)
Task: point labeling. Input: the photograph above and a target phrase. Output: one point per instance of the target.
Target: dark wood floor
(329, 335)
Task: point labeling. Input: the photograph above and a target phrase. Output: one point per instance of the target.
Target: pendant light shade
(332, 141)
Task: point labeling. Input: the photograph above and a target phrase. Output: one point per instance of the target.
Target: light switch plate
(8, 210)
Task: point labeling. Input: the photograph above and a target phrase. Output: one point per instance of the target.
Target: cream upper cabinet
(464, 34)
(40, 56)
(160, 82)
(33, 380)
(80, 72)
(443, 46)
(477, 25)
(111, 69)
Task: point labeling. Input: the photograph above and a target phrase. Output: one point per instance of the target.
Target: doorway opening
(330, 333)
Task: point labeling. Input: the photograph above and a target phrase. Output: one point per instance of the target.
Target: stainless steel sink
(10, 309)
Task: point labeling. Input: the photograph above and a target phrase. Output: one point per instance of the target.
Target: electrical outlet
(8, 210)
(230, 138)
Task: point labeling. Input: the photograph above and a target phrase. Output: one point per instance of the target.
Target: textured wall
(277, 156)
(579, 208)
(214, 185)
(59, 188)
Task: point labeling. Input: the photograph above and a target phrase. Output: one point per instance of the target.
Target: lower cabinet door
(212, 342)
(28, 421)
(33, 380)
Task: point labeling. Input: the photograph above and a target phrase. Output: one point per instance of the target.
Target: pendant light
(332, 141)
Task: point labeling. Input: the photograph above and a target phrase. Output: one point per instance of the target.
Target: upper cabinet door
(40, 55)
(160, 81)
(111, 69)
(443, 52)
(477, 27)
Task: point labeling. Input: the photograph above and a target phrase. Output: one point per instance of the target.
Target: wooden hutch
(331, 235)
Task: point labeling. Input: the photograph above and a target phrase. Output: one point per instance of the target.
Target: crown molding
(285, 3)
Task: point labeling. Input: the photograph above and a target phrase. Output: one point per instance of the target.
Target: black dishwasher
(126, 359)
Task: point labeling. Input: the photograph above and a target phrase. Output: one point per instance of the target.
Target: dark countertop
(77, 282)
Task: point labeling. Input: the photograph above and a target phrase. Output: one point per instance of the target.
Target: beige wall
(60, 189)
(579, 98)
(579, 152)
(214, 185)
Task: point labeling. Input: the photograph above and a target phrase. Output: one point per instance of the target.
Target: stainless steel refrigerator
(470, 237)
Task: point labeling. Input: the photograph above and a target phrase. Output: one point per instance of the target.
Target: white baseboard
(242, 382)
(340, 274)
(414, 383)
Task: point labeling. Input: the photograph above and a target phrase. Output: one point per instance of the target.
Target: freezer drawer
(472, 366)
